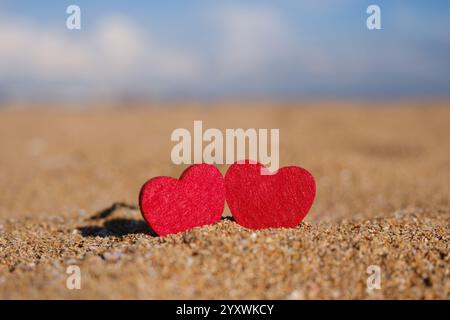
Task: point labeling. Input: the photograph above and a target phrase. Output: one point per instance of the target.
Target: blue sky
(204, 49)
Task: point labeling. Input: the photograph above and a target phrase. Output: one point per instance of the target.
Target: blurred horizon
(202, 50)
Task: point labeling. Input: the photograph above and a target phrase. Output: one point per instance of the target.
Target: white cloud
(225, 50)
(123, 47)
(251, 38)
(26, 51)
(116, 56)
(120, 43)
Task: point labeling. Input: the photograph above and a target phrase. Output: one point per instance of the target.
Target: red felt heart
(196, 199)
(260, 201)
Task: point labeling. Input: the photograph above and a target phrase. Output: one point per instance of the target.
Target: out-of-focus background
(86, 118)
(220, 49)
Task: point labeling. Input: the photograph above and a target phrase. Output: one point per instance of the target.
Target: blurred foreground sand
(383, 185)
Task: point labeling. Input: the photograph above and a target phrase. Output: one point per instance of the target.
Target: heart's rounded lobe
(259, 201)
(170, 206)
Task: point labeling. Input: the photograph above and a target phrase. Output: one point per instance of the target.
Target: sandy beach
(70, 178)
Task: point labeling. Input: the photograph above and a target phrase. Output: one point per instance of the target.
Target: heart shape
(196, 199)
(260, 201)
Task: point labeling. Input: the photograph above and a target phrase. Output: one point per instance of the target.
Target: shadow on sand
(118, 227)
